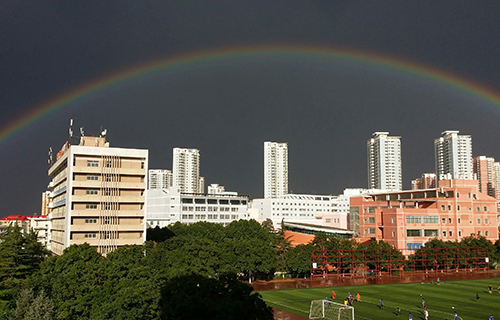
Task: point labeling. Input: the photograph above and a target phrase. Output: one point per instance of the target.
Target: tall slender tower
(186, 170)
(453, 156)
(160, 179)
(384, 162)
(275, 169)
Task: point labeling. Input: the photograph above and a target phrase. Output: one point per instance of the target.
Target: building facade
(408, 219)
(168, 206)
(487, 172)
(427, 181)
(97, 196)
(384, 162)
(275, 169)
(186, 170)
(319, 210)
(159, 179)
(453, 153)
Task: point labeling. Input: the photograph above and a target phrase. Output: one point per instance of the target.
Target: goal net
(328, 310)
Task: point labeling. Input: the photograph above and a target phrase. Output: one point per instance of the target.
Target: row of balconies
(99, 170)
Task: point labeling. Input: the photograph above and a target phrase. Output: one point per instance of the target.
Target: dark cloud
(324, 108)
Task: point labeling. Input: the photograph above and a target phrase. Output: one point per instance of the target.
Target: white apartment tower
(453, 156)
(186, 171)
(384, 162)
(275, 169)
(159, 179)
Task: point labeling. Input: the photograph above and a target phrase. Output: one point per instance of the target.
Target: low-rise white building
(312, 209)
(168, 206)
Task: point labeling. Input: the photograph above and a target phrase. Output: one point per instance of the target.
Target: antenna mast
(70, 131)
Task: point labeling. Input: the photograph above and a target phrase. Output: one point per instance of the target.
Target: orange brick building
(408, 219)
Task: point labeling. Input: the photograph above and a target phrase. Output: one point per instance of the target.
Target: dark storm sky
(324, 108)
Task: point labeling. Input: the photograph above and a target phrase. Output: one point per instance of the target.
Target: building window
(90, 236)
(479, 233)
(485, 209)
(93, 192)
(449, 220)
(394, 234)
(478, 221)
(487, 233)
(365, 220)
(450, 233)
(92, 177)
(431, 233)
(413, 233)
(443, 207)
(431, 219)
(486, 221)
(91, 221)
(443, 220)
(91, 206)
(449, 207)
(371, 220)
(459, 233)
(365, 231)
(478, 208)
(458, 207)
(392, 220)
(371, 230)
(413, 219)
(444, 234)
(92, 163)
(458, 195)
(459, 220)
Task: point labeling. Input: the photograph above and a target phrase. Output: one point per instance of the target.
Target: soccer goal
(328, 310)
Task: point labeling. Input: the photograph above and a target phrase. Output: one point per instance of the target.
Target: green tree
(298, 259)
(222, 298)
(33, 306)
(20, 256)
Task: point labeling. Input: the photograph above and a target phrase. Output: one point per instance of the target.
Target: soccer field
(439, 299)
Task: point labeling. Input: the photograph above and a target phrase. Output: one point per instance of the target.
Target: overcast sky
(324, 107)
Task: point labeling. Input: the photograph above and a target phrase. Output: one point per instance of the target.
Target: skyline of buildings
(275, 169)
(98, 195)
(384, 162)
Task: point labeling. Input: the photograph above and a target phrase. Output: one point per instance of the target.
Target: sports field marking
(286, 306)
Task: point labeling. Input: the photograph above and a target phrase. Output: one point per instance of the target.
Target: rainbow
(85, 90)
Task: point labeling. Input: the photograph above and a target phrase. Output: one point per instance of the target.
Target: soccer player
(381, 303)
(489, 289)
(455, 316)
(426, 314)
(423, 303)
(333, 295)
(398, 310)
(410, 317)
(358, 297)
(477, 297)
(491, 318)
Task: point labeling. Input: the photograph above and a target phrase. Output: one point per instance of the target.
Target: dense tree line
(181, 272)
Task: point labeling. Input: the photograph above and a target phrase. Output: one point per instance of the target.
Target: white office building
(159, 179)
(453, 156)
(275, 169)
(319, 210)
(384, 162)
(186, 171)
(168, 206)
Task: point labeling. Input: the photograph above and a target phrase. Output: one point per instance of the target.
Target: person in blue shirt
(455, 316)
(491, 318)
(423, 303)
(410, 317)
(381, 303)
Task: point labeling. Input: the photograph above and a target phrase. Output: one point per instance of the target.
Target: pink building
(487, 172)
(427, 181)
(408, 219)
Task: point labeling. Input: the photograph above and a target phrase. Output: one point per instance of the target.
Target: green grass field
(439, 299)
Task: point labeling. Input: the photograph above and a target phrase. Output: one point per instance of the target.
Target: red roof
(16, 218)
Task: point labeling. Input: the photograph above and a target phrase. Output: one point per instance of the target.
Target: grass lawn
(439, 299)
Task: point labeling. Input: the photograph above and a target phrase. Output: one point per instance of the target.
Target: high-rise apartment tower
(384, 162)
(487, 172)
(186, 171)
(275, 169)
(453, 156)
(160, 179)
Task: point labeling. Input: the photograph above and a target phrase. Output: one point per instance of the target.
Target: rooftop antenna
(70, 131)
(82, 132)
(103, 132)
